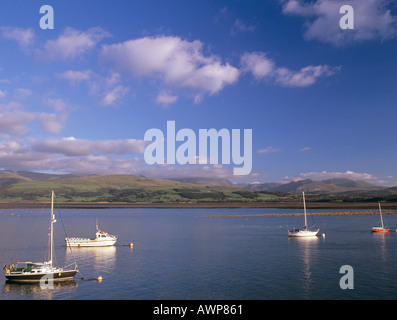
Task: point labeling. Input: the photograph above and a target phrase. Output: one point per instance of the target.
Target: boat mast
(51, 227)
(380, 212)
(304, 206)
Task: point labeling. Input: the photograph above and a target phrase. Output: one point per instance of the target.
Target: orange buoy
(131, 245)
(99, 279)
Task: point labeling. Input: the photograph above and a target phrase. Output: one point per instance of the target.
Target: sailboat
(33, 272)
(305, 232)
(381, 229)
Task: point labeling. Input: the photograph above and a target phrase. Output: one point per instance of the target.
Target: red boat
(382, 228)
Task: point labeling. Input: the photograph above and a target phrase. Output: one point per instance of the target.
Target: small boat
(381, 229)
(34, 272)
(305, 232)
(102, 239)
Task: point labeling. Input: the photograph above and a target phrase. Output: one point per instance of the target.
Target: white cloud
(15, 122)
(258, 64)
(166, 99)
(81, 147)
(176, 62)
(269, 149)
(72, 155)
(114, 96)
(263, 67)
(75, 76)
(57, 104)
(305, 76)
(372, 20)
(242, 27)
(330, 175)
(72, 43)
(52, 122)
(107, 89)
(2, 94)
(24, 37)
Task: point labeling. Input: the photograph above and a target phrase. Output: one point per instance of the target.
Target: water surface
(192, 254)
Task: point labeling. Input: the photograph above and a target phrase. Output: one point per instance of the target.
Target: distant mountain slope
(325, 186)
(202, 181)
(23, 186)
(39, 176)
(10, 177)
(35, 187)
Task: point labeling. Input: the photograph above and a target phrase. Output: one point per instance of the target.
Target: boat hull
(82, 242)
(380, 230)
(26, 277)
(303, 233)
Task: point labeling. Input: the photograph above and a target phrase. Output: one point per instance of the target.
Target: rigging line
(66, 235)
(67, 240)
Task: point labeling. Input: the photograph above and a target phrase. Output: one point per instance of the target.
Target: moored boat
(382, 228)
(305, 232)
(102, 239)
(34, 272)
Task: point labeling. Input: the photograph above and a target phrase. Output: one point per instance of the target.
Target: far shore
(389, 207)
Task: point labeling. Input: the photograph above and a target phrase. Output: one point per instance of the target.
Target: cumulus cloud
(72, 43)
(75, 76)
(78, 147)
(305, 76)
(176, 62)
(166, 99)
(24, 37)
(258, 64)
(263, 67)
(16, 122)
(114, 96)
(71, 155)
(52, 122)
(330, 175)
(107, 89)
(372, 20)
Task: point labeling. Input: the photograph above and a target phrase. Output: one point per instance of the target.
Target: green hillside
(120, 188)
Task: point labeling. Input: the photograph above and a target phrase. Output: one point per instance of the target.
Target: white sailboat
(305, 232)
(33, 272)
(381, 229)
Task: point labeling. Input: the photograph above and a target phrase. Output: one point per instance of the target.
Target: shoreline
(229, 205)
(335, 213)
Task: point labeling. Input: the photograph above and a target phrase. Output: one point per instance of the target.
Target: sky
(319, 100)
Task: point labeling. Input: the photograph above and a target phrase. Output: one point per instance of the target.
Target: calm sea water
(192, 254)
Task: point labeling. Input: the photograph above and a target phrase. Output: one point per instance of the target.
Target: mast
(51, 227)
(380, 212)
(304, 206)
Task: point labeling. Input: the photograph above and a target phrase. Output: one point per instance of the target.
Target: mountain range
(34, 186)
(307, 185)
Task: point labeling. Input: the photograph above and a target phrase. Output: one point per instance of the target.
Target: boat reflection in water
(306, 249)
(102, 259)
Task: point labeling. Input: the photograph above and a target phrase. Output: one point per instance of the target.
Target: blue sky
(321, 101)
